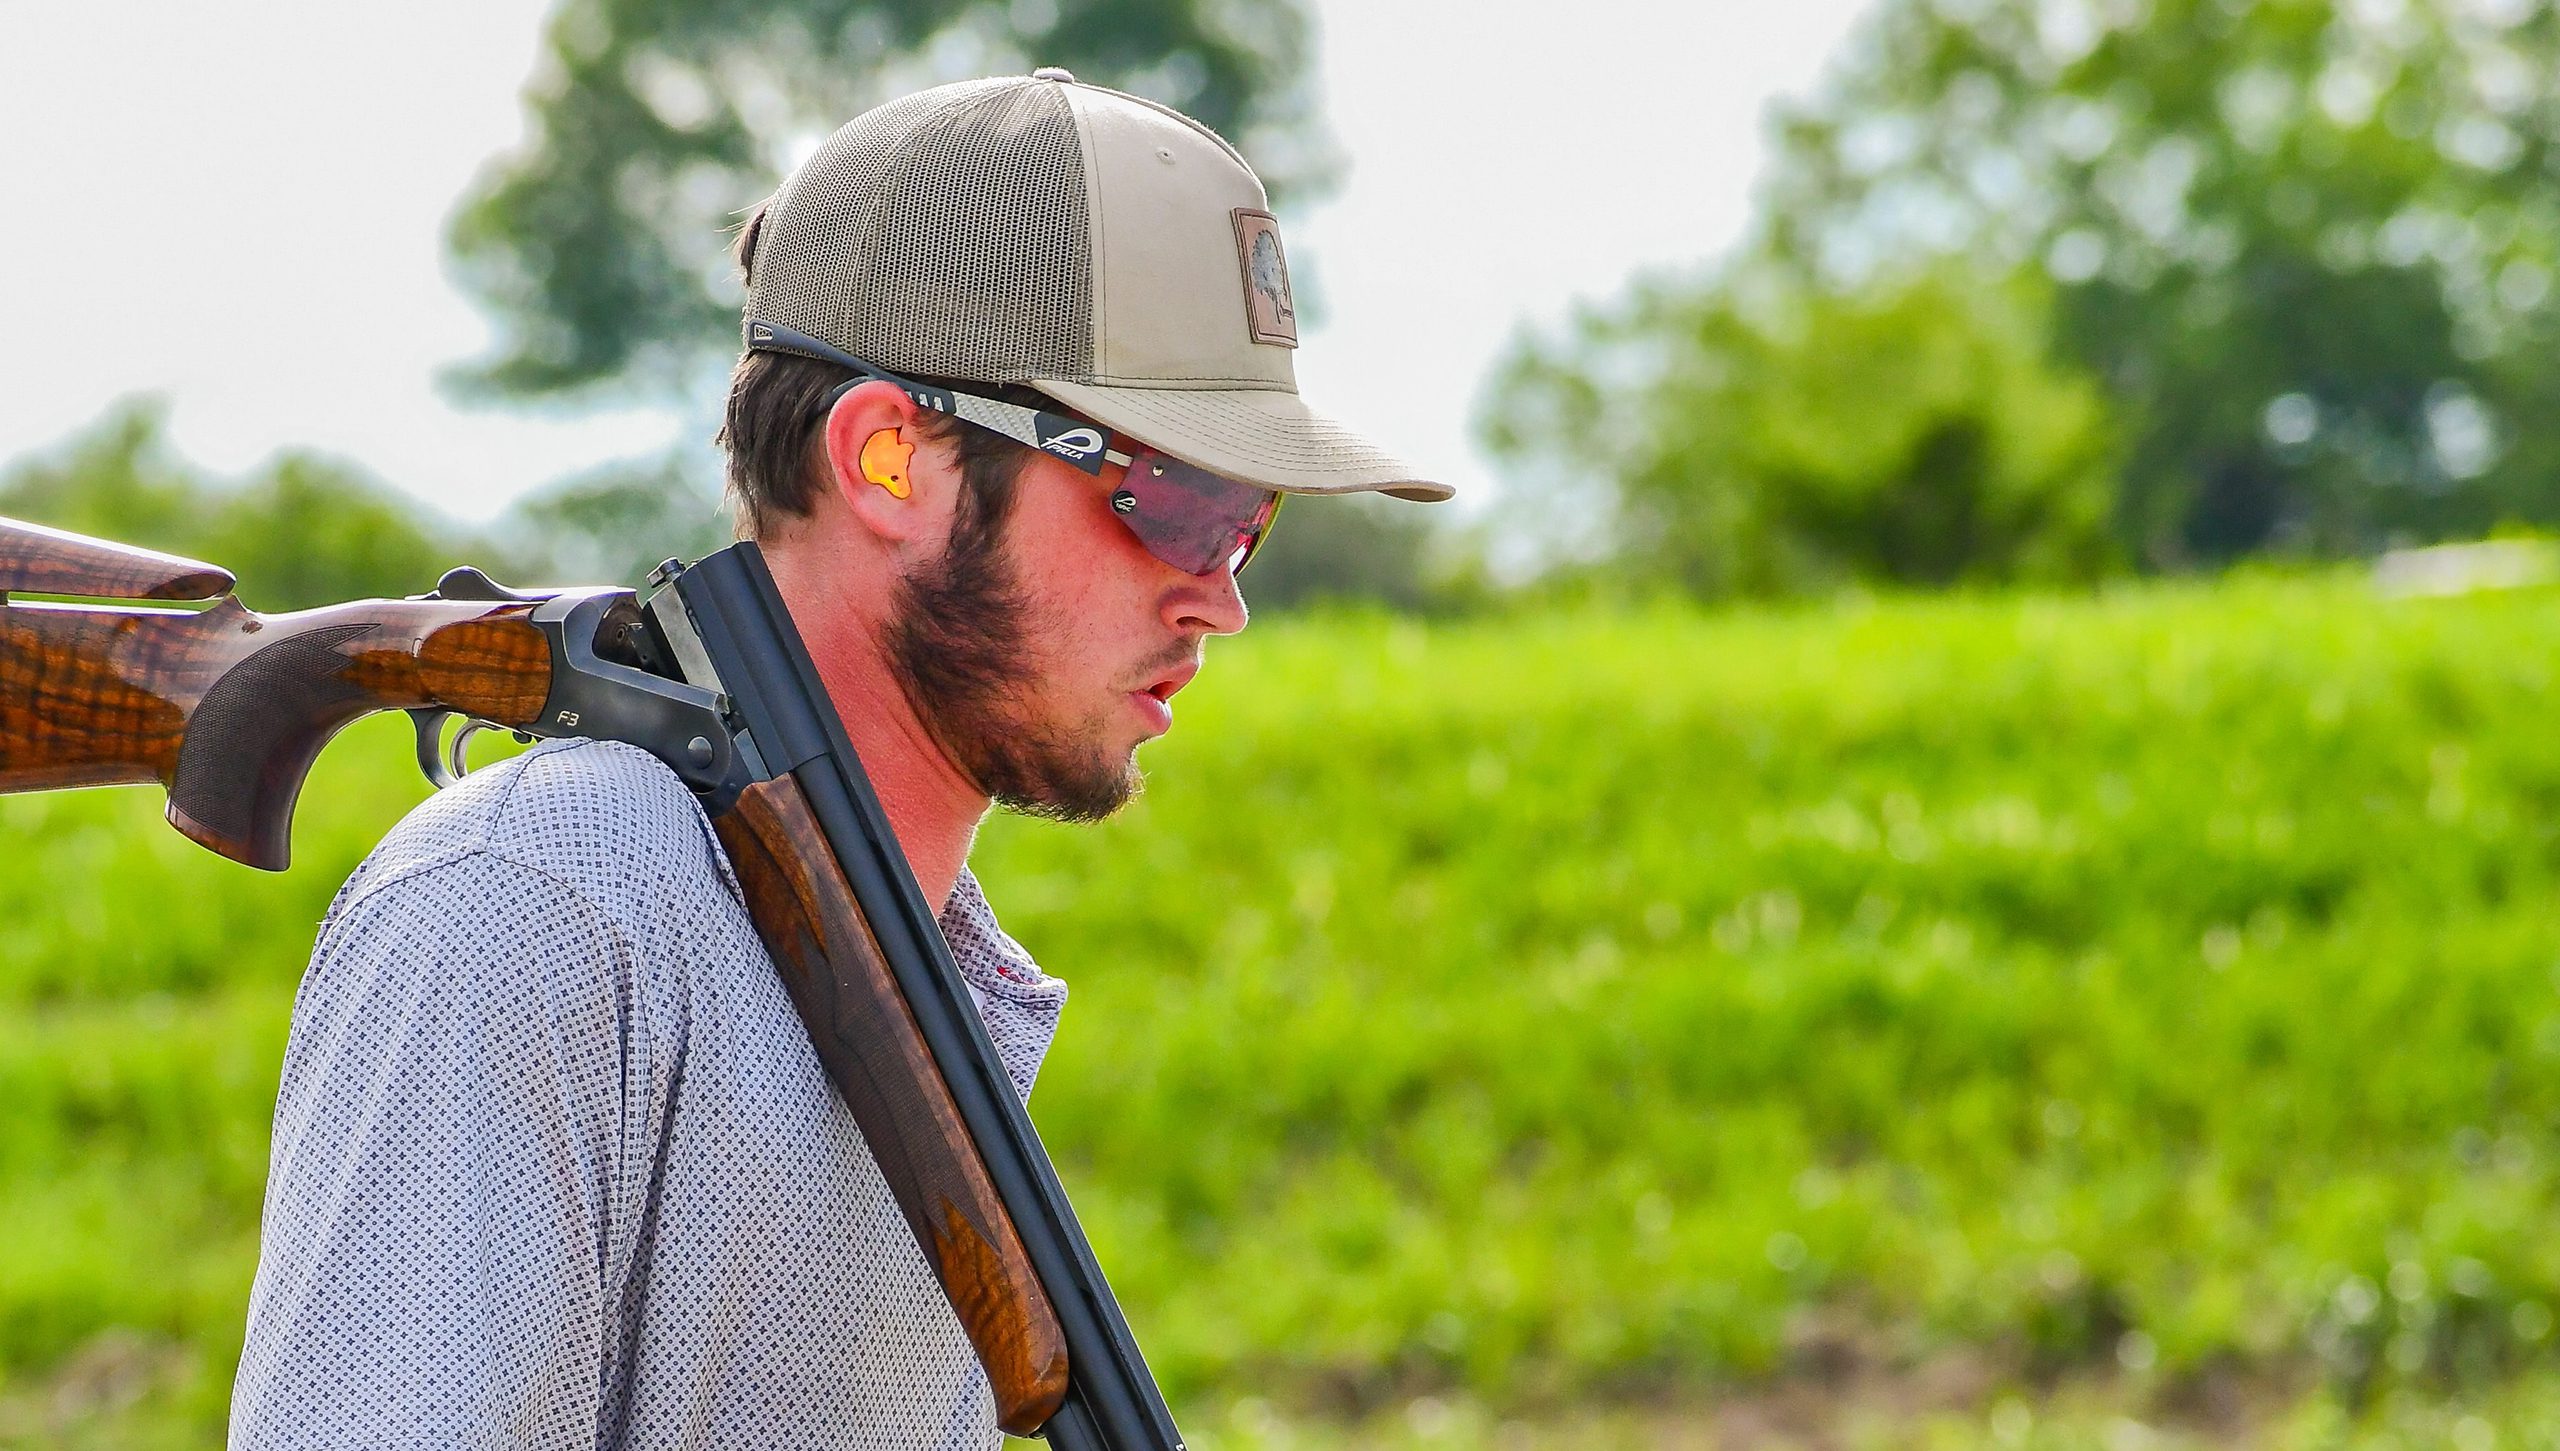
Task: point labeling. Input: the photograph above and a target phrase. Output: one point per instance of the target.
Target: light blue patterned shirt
(554, 1165)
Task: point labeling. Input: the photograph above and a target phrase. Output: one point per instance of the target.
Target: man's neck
(933, 808)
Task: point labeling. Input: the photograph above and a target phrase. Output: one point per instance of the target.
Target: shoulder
(602, 821)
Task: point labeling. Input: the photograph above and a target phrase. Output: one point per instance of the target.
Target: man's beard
(966, 662)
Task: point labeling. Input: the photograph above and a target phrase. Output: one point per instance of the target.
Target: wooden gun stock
(867, 1039)
(225, 707)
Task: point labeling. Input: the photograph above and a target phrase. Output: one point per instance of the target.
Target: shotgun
(227, 710)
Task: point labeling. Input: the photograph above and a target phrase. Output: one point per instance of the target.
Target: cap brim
(1260, 435)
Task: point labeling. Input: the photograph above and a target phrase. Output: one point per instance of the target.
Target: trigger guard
(430, 726)
(443, 763)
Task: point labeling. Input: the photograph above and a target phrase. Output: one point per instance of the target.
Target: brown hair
(777, 451)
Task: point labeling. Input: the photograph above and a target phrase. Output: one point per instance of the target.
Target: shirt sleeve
(449, 1198)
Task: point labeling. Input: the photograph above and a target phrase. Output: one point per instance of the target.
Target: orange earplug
(884, 461)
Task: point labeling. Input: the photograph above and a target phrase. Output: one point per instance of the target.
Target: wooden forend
(868, 1042)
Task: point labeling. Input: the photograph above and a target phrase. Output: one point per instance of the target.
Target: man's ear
(878, 466)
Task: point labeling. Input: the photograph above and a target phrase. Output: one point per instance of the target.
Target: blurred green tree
(2305, 249)
(614, 523)
(1361, 548)
(2308, 247)
(657, 123)
(1756, 437)
(117, 479)
(303, 531)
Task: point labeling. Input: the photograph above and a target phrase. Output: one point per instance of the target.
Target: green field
(2118, 1021)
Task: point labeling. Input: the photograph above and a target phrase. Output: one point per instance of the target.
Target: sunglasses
(1190, 517)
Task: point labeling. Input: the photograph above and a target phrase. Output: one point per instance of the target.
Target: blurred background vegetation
(1908, 889)
(2049, 289)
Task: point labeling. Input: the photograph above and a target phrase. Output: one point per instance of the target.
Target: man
(554, 1165)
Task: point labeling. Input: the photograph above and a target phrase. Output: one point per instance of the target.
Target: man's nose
(1207, 604)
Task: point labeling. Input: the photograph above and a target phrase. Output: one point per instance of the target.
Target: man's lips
(1154, 701)
(1164, 688)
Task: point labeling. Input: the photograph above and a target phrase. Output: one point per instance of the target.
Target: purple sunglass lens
(1189, 517)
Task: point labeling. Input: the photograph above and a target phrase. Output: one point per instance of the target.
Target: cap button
(1053, 73)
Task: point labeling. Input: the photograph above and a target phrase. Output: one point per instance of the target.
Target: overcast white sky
(242, 207)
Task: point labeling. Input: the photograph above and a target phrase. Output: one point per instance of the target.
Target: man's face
(1040, 659)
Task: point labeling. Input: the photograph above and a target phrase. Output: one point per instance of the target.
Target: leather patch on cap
(1269, 314)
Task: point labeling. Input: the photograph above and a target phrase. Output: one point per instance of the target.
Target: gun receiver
(228, 709)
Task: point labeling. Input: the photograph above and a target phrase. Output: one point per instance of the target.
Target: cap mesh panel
(944, 234)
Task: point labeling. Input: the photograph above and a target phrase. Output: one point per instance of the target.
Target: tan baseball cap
(1110, 252)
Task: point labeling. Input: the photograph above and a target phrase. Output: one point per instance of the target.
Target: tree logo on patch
(1269, 314)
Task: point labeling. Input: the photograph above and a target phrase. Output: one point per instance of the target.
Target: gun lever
(469, 582)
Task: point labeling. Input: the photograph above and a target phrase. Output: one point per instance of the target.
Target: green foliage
(2309, 247)
(1584, 1002)
(307, 531)
(614, 524)
(1360, 548)
(656, 126)
(1755, 437)
(304, 531)
(2152, 987)
(2305, 251)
